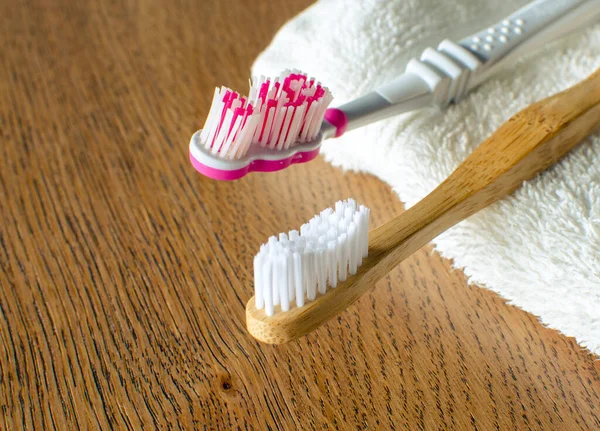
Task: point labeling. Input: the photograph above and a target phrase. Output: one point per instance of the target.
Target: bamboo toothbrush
(525, 145)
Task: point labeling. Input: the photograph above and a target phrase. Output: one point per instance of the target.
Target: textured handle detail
(527, 31)
(446, 71)
(437, 82)
(445, 75)
(454, 69)
(495, 41)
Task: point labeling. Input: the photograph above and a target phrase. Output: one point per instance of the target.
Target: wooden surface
(125, 274)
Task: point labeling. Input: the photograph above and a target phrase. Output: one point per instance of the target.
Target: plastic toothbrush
(284, 120)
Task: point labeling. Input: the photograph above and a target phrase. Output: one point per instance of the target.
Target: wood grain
(124, 274)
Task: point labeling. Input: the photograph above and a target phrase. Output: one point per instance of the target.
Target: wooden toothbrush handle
(525, 145)
(528, 143)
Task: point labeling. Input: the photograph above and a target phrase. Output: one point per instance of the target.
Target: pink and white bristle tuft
(267, 131)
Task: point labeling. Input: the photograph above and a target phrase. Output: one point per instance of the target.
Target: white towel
(540, 247)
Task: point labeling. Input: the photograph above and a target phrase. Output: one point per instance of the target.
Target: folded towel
(539, 248)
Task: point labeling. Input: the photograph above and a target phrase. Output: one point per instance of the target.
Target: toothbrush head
(277, 125)
(297, 272)
(256, 159)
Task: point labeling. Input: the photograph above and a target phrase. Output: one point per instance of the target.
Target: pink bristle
(266, 126)
(280, 113)
(289, 112)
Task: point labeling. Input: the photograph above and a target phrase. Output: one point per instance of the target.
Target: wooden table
(125, 273)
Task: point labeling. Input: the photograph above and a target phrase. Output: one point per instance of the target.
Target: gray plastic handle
(444, 75)
(526, 31)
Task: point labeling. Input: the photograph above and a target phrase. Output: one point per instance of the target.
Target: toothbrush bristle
(278, 113)
(297, 266)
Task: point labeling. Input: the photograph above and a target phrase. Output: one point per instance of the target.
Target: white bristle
(298, 280)
(331, 262)
(267, 283)
(298, 266)
(289, 112)
(276, 129)
(264, 137)
(343, 256)
(284, 291)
